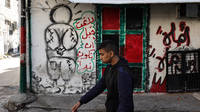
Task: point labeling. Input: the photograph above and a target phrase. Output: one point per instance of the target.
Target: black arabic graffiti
(175, 63)
(191, 63)
(183, 37)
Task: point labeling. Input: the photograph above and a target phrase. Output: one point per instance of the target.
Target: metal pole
(30, 45)
(23, 48)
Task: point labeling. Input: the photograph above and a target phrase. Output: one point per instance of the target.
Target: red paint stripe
(111, 18)
(134, 48)
(23, 40)
(157, 87)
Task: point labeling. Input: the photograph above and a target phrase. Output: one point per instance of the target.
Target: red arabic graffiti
(88, 55)
(169, 37)
(86, 52)
(89, 33)
(161, 64)
(86, 21)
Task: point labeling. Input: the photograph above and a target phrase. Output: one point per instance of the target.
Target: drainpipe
(23, 48)
(30, 45)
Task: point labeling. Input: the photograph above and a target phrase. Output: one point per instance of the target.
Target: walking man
(117, 79)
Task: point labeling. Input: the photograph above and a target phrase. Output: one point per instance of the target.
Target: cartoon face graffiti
(61, 39)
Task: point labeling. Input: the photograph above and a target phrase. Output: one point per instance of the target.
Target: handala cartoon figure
(61, 40)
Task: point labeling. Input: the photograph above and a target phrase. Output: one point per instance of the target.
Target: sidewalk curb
(196, 95)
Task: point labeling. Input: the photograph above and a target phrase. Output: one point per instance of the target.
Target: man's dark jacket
(118, 80)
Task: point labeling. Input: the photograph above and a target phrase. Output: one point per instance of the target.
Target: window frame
(122, 35)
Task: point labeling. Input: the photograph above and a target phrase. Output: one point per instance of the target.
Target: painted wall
(63, 46)
(167, 32)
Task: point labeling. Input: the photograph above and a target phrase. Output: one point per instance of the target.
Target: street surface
(9, 71)
(9, 79)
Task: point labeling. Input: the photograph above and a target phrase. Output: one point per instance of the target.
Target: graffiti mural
(69, 38)
(175, 64)
(191, 63)
(36, 82)
(86, 52)
(89, 80)
(169, 38)
(61, 40)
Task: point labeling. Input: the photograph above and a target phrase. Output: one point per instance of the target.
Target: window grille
(7, 3)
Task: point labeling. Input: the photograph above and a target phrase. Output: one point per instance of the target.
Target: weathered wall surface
(167, 32)
(63, 46)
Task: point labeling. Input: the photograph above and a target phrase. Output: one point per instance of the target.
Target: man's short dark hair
(108, 46)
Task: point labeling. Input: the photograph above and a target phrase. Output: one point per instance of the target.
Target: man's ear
(112, 54)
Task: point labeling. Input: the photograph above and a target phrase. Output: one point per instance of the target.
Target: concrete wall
(163, 20)
(63, 46)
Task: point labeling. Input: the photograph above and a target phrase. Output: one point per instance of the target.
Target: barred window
(7, 3)
(7, 22)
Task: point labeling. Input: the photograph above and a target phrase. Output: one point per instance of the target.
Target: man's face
(105, 57)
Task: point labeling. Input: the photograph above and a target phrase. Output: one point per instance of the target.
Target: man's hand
(75, 107)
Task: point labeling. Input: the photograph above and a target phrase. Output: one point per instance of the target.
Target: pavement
(9, 79)
(143, 102)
